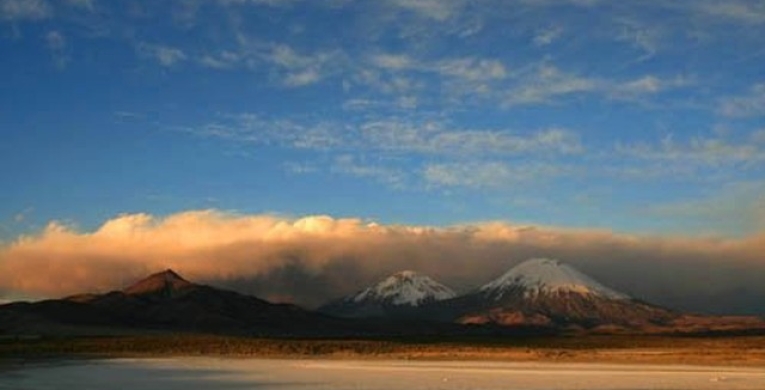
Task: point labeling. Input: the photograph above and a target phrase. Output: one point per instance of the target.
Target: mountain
(541, 277)
(395, 296)
(165, 283)
(539, 296)
(550, 293)
(164, 301)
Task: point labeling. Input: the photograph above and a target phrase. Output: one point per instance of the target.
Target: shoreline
(205, 372)
(645, 350)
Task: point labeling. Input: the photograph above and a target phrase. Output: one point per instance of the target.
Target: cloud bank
(313, 259)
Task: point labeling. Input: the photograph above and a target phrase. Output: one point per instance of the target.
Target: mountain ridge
(165, 301)
(541, 297)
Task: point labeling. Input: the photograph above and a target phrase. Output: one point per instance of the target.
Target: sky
(643, 121)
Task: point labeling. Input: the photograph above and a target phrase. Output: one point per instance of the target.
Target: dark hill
(165, 302)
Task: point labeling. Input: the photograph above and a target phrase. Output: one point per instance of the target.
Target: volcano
(397, 295)
(551, 293)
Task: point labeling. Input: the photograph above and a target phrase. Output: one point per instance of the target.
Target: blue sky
(634, 116)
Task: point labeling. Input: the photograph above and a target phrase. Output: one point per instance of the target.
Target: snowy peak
(165, 281)
(404, 288)
(544, 277)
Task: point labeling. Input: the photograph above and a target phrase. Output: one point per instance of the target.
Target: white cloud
(15, 10)
(56, 43)
(646, 84)
(488, 174)
(434, 9)
(547, 36)
(300, 69)
(746, 11)
(697, 151)
(393, 61)
(302, 78)
(545, 84)
(393, 136)
(467, 68)
(55, 40)
(472, 69)
(437, 138)
(641, 36)
(750, 105)
(167, 56)
(224, 60)
(349, 165)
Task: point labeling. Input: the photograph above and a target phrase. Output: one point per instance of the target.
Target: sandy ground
(228, 373)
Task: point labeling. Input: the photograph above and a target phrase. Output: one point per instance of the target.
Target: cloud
(223, 60)
(17, 10)
(547, 36)
(641, 36)
(305, 77)
(467, 68)
(272, 3)
(749, 105)
(315, 258)
(393, 136)
(84, 4)
(301, 69)
(436, 138)
(488, 174)
(348, 165)
(545, 84)
(472, 69)
(57, 45)
(22, 215)
(167, 56)
(737, 207)
(433, 9)
(748, 12)
(393, 61)
(698, 151)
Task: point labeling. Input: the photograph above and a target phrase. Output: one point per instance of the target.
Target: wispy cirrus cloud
(548, 84)
(384, 150)
(19, 10)
(437, 138)
(57, 45)
(394, 135)
(432, 9)
(751, 104)
(744, 11)
(699, 152)
(302, 69)
(467, 68)
(167, 56)
(347, 164)
(547, 36)
(490, 175)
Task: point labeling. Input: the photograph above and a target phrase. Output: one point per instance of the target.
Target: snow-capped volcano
(546, 276)
(550, 293)
(399, 293)
(405, 288)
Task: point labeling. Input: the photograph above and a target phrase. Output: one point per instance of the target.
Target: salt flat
(228, 373)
